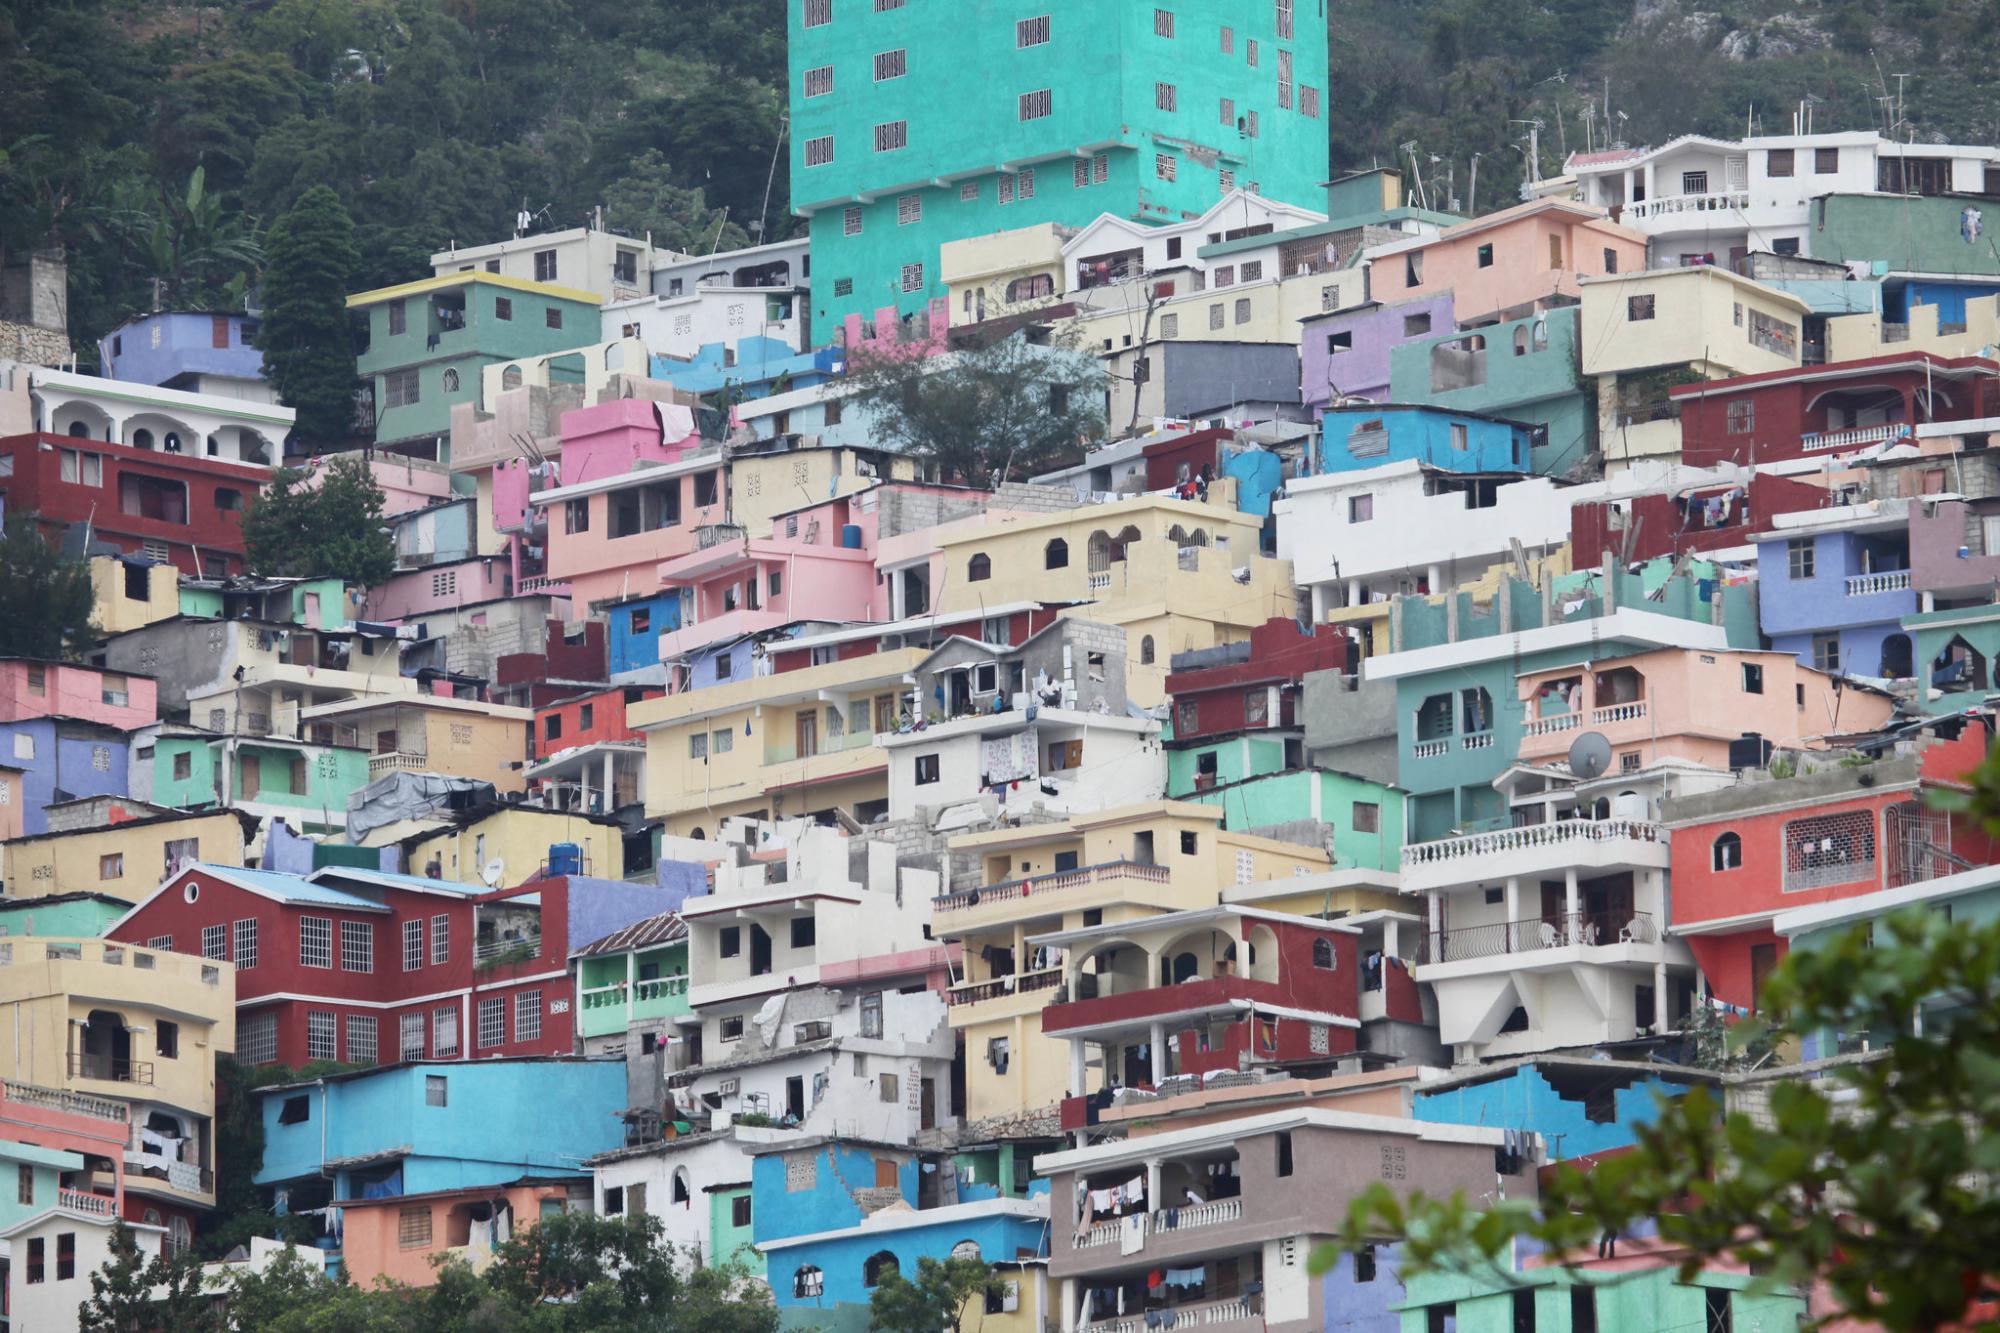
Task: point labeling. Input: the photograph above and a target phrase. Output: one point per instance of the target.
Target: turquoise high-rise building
(918, 122)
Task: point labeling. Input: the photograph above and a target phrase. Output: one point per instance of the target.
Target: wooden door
(250, 775)
(805, 735)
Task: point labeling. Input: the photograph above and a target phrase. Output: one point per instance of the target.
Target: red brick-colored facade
(1706, 518)
(1280, 655)
(588, 719)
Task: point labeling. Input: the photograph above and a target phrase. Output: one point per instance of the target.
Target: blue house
(1579, 1106)
(633, 646)
(1356, 438)
(63, 759)
(198, 351)
(438, 1125)
(755, 368)
(1834, 586)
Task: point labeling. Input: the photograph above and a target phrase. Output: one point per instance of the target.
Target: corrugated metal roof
(287, 888)
(666, 928)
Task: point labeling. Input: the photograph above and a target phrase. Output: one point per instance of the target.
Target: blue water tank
(850, 536)
(566, 858)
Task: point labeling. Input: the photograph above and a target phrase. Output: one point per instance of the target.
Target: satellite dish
(1589, 755)
(496, 870)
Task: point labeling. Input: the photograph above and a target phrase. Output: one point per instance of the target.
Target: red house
(369, 967)
(589, 719)
(1745, 853)
(1253, 685)
(1704, 515)
(572, 660)
(1822, 411)
(179, 508)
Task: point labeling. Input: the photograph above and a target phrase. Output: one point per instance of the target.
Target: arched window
(1520, 340)
(1323, 954)
(965, 1249)
(808, 1281)
(450, 380)
(979, 568)
(682, 1194)
(878, 1266)
(1146, 650)
(142, 438)
(79, 430)
(1056, 554)
(1183, 967)
(1728, 852)
(1541, 335)
(510, 378)
(173, 442)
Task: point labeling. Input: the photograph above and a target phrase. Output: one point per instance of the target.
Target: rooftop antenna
(1409, 149)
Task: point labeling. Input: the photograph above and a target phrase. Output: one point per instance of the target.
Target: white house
(50, 1258)
(1060, 760)
(719, 299)
(173, 421)
(672, 1181)
(590, 259)
(1115, 249)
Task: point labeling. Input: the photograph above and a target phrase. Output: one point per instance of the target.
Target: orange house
(404, 1237)
(1510, 264)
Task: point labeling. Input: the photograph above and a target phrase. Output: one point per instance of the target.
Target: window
(553, 316)
(1364, 1264)
(722, 742)
(1165, 97)
(729, 941)
(398, 319)
(1639, 307)
(66, 1255)
(1284, 1153)
(357, 946)
(1250, 52)
(503, 307)
(1367, 817)
(492, 1021)
(1242, 310)
(1727, 853)
(1037, 104)
(1308, 101)
(888, 1089)
(1753, 678)
(809, 1280)
(1800, 558)
(1610, 261)
(322, 1037)
(361, 1033)
(698, 742)
(24, 1184)
(1742, 416)
(1229, 41)
(1253, 271)
(1778, 162)
(819, 152)
(1360, 508)
(1170, 326)
(528, 1015)
(1486, 256)
(410, 1036)
(739, 1211)
(1031, 32)
(1826, 161)
(545, 266)
(1165, 165)
(167, 1040)
(891, 65)
(891, 135)
(413, 1228)
(82, 469)
(878, 1266)
(913, 277)
(1055, 555)
(730, 1029)
(871, 1014)
(315, 941)
(818, 13)
(1694, 182)
(926, 769)
(36, 1251)
(440, 939)
(819, 81)
(1216, 317)
(215, 941)
(1715, 1300)
(413, 945)
(909, 208)
(1284, 80)
(1323, 954)
(257, 1039)
(1163, 23)
(1826, 652)
(400, 388)
(804, 932)
(1785, 245)
(444, 1031)
(576, 516)
(1582, 1309)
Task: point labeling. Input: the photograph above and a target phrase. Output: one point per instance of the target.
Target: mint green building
(303, 782)
(638, 975)
(1616, 1297)
(428, 341)
(917, 124)
(76, 915)
(1525, 370)
(1246, 776)
(34, 1174)
(1954, 651)
(729, 1228)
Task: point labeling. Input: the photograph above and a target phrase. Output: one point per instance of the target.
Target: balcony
(1867, 585)
(1185, 1219)
(1819, 441)
(1531, 849)
(643, 992)
(1672, 205)
(1613, 714)
(786, 754)
(514, 949)
(185, 1177)
(1438, 748)
(87, 1202)
(1246, 1310)
(110, 1069)
(1069, 882)
(1046, 979)
(1497, 939)
(69, 1103)
(1152, 1003)
(379, 764)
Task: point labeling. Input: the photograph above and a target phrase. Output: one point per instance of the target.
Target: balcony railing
(1153, 1223)
(1498, 938)
(1549, 726)
(1866, 585)
(1814, 441)
(110, 1069)
(1062, 881)
(184, 1176)
(613, 996)
(1565, 832)
(494, 950)
(379, 764)
(1046, 979)
(1430, 749)
(72, 1103)
(853, 740)
(87, 1202)
(1246, 1309)
(1725, 201)
(1625, 712)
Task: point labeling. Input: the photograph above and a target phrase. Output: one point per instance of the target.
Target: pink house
(30, 689)
(1509, 264)
(408, 484)
(885, 334)
(434, 588)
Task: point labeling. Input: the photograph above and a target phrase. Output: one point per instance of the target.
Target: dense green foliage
(47, 609)
(306, 337)
(323, 524)
(944, 1293)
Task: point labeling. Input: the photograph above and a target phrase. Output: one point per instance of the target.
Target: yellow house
(1003, 272)
(518, 839)
(430, 734)
(126, 860)
(1642, 333)
(1098, 869)
(1163, 570)
(1264, 310)
(1859, 337)
(791, 743)
(764, 485)
(131, 594)
(133, 1031)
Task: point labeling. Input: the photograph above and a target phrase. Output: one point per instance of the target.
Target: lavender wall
(1364, 370)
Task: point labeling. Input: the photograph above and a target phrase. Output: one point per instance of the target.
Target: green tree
(47, 608)
(133, 1294)
(937, 1301)
(647, 199)
(1876, 1178)
(321, 524)
(1008, 406)
(196, 253)
(306, 336)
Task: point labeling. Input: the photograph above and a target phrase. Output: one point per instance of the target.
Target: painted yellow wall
(1693, 323)
(767, 484)
(991, 262)
(117, 613)
(1857, 337)
(520, 839)
(75, 862)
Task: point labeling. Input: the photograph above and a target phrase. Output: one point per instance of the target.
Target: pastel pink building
(1509, 264)
(31, 689)
(435, 588)
(408, 484)
(885, 334)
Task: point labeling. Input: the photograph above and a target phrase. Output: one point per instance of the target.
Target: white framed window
(257, 1039)
(1163, 23)
(528, 1015)
(819, 152)
(850, 220)
(246, 943)
(1165, 165)
(357, 946)
(215, 942)
(444, 1031)
(909, 208)
(818, 12)
(891, 64)
(1031, 32)
(1284, 79)
(440, 939)
(492, 1021)
(361, 1039)
(913, 277)
(891, 135)
(819, 81)
(1037, 104)
(410, 1036)
(413, 945)
(1165, 96)
(1227, 179)
(315, 941)
(163, 943)
(322, 1037)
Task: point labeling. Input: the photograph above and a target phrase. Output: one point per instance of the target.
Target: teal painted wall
(47, 1165)
(84, 919)
(198, 787)
(331, 775)
(333, 605)
(602, 1013)
(727, 1241)
(1540, 385)
(1932, 632)
(200, 602)
(1100, 67)
(1237, 758)
(1277, 798)
(1902, 234)
(1626, 1302)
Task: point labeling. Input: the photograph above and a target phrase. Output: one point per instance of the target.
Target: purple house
(1346, 353)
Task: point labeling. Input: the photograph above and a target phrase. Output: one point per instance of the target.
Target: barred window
(1215, 317)
(361, 1033)
(1285, 79)
(528, 1015)
(1229, 41)
(1165, 96)
(1308, 101)
(818, 12)
(909, 208)
(882, 6)
(1227, 179)
(1242, 310)
(410, 1036)
(1163, 23)
(913, 277)
(1036, 104)
(440, 939)
(1229, 111)
(850, 220)
(1253, 270)
(413, 1228)
(257, 1039)
(843, 286)
(1250, 126)
(1006, 189)
(819, 152)
(215, 941)
(968, 192)
(819, 82)
(1285, 20)
(246, 943)
(492, 1021)
(1250, 52)
(891, 135)
(1024, 183)
(891, 65)
(1080, 172)
(444, 1031)
(1031, 32)
(322, 1037)
(315, 941)
(1170, 326)
(1829, 849)
(1100, 168)
(413, 945)
(1165, 165)
(357, 946)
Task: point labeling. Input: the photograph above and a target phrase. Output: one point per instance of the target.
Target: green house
(1617, 1296)
(304, 782)
(1246, 777)
(1525, 370)
(636, 975)
(729, 1228)
(77, 915)
(429, 340)
(1954, 652)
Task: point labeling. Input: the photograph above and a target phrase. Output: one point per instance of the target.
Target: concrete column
(608, 757)
(1608, 573)
(1157, 1046)
(1435, 575)
(1319, 596)
(1076, 1067)
(631, 983)
(1355, 589)
(1569, 892)
(1153, 1200)
(1513, 898)
(1659, 998)
(1651, 192)
(1273, 706)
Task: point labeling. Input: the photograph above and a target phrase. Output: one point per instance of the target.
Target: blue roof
(286, 888)
(389, 879)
